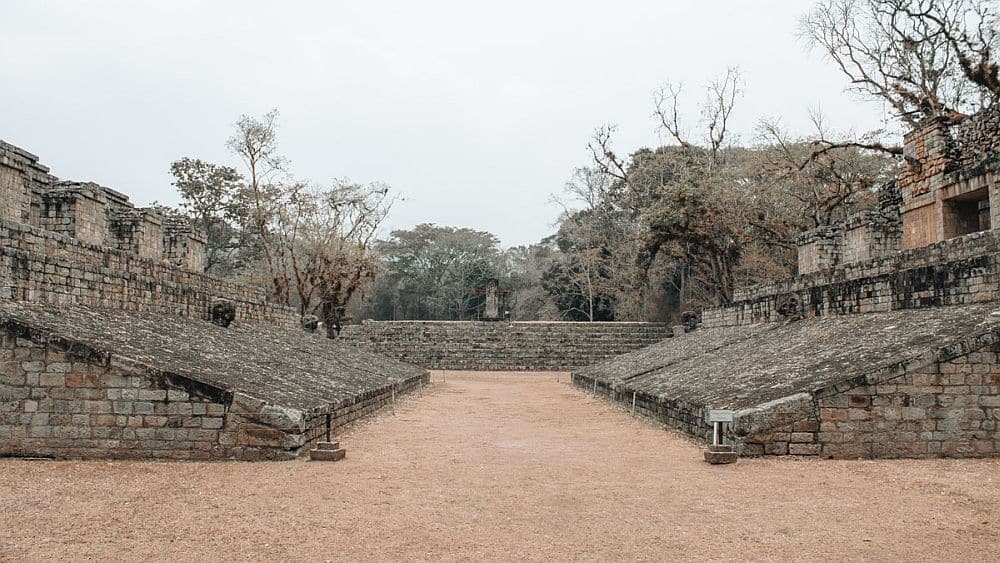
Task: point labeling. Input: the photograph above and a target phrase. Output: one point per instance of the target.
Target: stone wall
(70, 401)
(819, 249)
(671, 411)
(948, 408)
(475, 345)
(82, 243)
(44, 266)
(956, 271)
(89, 212)
(20, 176)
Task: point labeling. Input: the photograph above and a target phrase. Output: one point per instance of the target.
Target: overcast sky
(474, 112)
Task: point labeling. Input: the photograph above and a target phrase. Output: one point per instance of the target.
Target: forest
(645, 234)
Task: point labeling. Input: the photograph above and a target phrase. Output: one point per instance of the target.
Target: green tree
(210, 198)
(430, 272)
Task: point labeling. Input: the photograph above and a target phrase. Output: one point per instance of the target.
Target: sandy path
(502, 466)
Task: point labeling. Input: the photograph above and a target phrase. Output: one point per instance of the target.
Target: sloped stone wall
(61, 404)
(71, 402)
(43, 266)
(518, 346)
(949, 409)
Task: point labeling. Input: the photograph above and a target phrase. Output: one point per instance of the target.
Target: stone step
(327, 455)
(327, 445)
(720, 448)
(716, 458)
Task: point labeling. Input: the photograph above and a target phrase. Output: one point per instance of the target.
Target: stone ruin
(887, 342)
(115, 343)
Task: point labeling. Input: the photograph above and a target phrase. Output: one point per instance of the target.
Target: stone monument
(491, 311)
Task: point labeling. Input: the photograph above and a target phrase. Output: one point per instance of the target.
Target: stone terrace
(83, 382)
(515, 346)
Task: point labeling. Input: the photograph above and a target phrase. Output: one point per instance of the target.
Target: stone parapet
(819, 249)
(957, 271)
(21, 178)
(183, 245)
(138, 231)
(77, 210)
(37, 265)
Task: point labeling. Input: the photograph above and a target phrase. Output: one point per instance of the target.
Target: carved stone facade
(951, 181)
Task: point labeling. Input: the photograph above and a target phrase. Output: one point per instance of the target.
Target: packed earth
(498, 465)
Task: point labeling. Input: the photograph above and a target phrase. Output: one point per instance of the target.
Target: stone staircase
(519, 346)
(327, 451)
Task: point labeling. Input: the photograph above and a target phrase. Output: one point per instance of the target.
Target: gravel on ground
(499, 466)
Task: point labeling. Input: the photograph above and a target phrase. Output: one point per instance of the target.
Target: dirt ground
(502, 466)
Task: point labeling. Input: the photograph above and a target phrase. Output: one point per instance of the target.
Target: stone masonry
(82, 243)
(903, 387)
(106, 349)
(887, 343)
(507, 346)
(83, 382)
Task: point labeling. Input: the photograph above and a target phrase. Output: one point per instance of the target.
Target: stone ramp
(101, 383)
(778, 374)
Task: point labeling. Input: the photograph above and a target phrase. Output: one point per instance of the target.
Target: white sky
(474, 112)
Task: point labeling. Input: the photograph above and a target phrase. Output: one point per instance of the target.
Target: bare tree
(604, 157)
(924, 58)
(255, 142)
(721, 94)
(827, 179)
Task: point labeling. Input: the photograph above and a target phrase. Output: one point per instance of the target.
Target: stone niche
(139, 231)
(950, 179)
(183, 245)
(78, 210)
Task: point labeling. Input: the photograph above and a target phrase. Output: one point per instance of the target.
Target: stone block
(257, 435)
(804, 449)
(327, 455)
(211, 423)
(805, 426)
(52, 380)
(776, 448)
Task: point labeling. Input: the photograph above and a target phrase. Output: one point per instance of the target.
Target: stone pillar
(819, 249)
(994, 200)
(139, 231)
(183, 245)
(930, 154)
(491, 312)
(78, 210)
